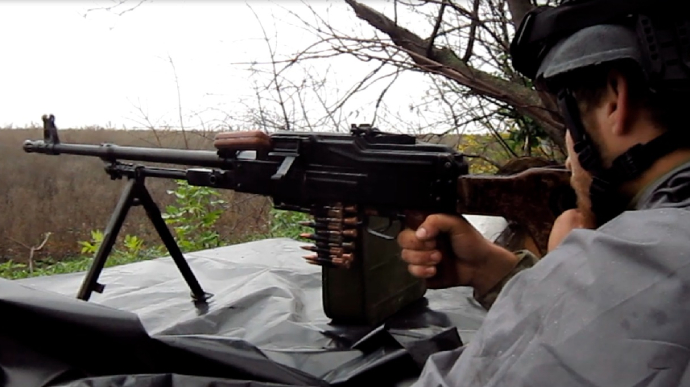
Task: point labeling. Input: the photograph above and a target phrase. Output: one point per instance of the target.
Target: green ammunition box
(376, 285)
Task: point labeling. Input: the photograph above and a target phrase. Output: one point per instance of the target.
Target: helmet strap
(605, 188)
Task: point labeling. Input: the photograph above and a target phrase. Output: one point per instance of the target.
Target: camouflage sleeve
(526, 260)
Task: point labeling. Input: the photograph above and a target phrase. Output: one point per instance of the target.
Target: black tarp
(264, 324)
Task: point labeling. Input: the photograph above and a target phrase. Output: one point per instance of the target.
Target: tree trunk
(518, 10)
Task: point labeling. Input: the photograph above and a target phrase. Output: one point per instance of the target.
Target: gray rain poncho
(609, 307)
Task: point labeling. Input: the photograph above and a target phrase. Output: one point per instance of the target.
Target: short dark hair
(667, 110)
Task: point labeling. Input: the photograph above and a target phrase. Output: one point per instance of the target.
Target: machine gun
(359, 187)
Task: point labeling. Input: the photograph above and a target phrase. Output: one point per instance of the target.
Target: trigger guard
(381, 234)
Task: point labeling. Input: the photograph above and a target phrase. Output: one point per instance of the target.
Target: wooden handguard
(240, 141)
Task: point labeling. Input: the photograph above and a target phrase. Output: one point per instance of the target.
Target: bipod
(134, 194)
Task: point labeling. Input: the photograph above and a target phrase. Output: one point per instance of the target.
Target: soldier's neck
(660, 168)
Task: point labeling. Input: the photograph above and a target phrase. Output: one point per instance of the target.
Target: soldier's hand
(448, 251)
(564, 224)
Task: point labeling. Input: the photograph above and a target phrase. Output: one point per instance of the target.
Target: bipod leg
(90, 283)
(198, 294)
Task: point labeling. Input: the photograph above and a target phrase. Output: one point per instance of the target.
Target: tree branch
(473, 32)
(445, 62)
(32, 249)
(439, 19)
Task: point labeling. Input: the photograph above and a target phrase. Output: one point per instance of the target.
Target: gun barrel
(111, 152)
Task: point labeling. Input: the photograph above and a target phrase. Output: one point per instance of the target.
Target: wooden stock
(531, 199)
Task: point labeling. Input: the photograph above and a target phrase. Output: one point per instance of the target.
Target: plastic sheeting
(265, 323)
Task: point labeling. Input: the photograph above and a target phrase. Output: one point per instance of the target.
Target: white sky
(96, 68)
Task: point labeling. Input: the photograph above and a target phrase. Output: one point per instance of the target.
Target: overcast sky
(100, 68)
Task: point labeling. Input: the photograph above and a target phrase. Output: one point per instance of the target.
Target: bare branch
(117, 4)
(439, 19)
(383, 93)
(473, 32)
(481, 157)
(445, 62)
(179, 102)
(32, 249)
(275, 71)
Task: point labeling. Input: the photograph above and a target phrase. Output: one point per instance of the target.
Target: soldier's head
(621, 73)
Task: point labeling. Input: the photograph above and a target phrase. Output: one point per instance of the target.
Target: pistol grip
(446, 270)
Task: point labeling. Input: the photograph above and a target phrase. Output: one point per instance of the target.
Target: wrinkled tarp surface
(265, 323)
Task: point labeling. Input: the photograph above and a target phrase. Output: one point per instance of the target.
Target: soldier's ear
(618, 112)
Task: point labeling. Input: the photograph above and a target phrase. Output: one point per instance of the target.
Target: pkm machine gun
(358, 186)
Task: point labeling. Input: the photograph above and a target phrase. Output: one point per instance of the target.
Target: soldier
(609, 304)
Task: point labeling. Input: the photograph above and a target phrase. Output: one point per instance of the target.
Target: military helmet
(591, 46)
(654, 34)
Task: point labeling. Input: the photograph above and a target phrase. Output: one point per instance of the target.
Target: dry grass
(69, 196)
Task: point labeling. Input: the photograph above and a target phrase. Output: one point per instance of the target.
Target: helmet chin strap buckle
(631, 163)
(587, 156)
